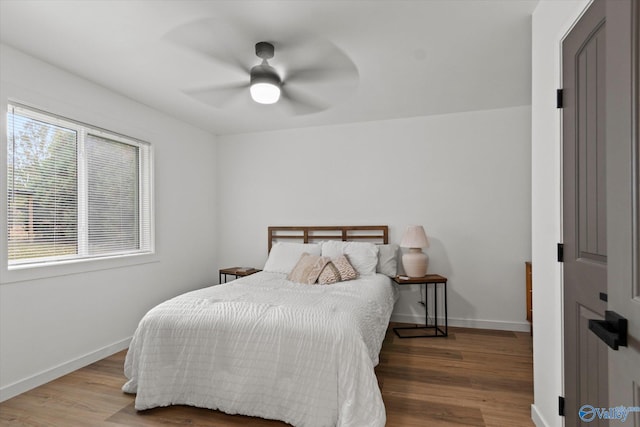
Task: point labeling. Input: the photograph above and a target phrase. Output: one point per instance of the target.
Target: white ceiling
(413, 58)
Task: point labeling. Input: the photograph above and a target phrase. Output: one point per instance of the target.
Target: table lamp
(415, 261)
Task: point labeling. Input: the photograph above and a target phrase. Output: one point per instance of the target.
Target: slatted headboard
(310, 234)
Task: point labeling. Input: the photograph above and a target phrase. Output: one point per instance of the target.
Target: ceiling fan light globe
(265, 93)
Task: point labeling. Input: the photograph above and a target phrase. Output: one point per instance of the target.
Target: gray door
(601, 202)
(622, 130)
(584, 212)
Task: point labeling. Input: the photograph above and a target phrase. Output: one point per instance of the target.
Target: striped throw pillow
(339, 269)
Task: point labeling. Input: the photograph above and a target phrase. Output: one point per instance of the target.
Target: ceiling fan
(308, 74)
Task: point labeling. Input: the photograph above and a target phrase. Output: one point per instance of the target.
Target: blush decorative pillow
(308, 268)
(339, 269)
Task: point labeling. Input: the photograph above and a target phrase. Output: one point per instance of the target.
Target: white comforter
(267, 347)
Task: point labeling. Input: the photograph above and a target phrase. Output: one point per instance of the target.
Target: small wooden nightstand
(236, 272)
(436, 280)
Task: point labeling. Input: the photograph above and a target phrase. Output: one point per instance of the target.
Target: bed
(266, 346)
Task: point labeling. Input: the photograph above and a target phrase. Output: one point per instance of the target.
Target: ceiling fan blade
(301, 103)
(217, 95)
(204, 36)
(314, 60)
(320, 74)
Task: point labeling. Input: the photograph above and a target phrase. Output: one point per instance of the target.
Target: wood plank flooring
(473, 377)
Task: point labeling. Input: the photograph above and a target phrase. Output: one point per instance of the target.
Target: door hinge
(560, 252)
(561, 406)
(560, 98)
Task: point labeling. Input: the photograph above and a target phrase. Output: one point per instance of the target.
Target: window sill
(34, 272)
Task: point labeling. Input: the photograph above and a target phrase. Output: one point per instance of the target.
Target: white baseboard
(18, 387)
(466, 323)
(537, 418)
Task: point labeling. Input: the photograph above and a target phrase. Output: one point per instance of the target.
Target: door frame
(551, 24)
(575, 269)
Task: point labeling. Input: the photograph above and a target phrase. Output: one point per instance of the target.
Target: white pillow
(362, 255)
(284, 256)
(388, 260)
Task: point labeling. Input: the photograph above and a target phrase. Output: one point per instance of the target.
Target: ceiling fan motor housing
(265, 73)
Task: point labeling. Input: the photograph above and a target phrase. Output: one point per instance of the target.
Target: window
(74, 191)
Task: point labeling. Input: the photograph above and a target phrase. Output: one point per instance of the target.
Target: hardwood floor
(473, 377)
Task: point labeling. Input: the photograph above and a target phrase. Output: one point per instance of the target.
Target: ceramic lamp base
(415, 263)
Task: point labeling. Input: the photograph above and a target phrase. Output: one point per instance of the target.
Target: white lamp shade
(265, 93)
(415, 237)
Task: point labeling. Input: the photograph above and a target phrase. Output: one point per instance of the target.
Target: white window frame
(69, 264)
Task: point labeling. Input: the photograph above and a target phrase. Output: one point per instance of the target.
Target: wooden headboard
(309, 234)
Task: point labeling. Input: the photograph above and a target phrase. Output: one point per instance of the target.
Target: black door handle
(612, 330)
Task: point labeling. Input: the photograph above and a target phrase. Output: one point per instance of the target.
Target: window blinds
(112, 208)
(74, 191)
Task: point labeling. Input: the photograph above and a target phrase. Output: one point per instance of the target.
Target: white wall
(551, 21)
(465, 177)
(53, 325)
